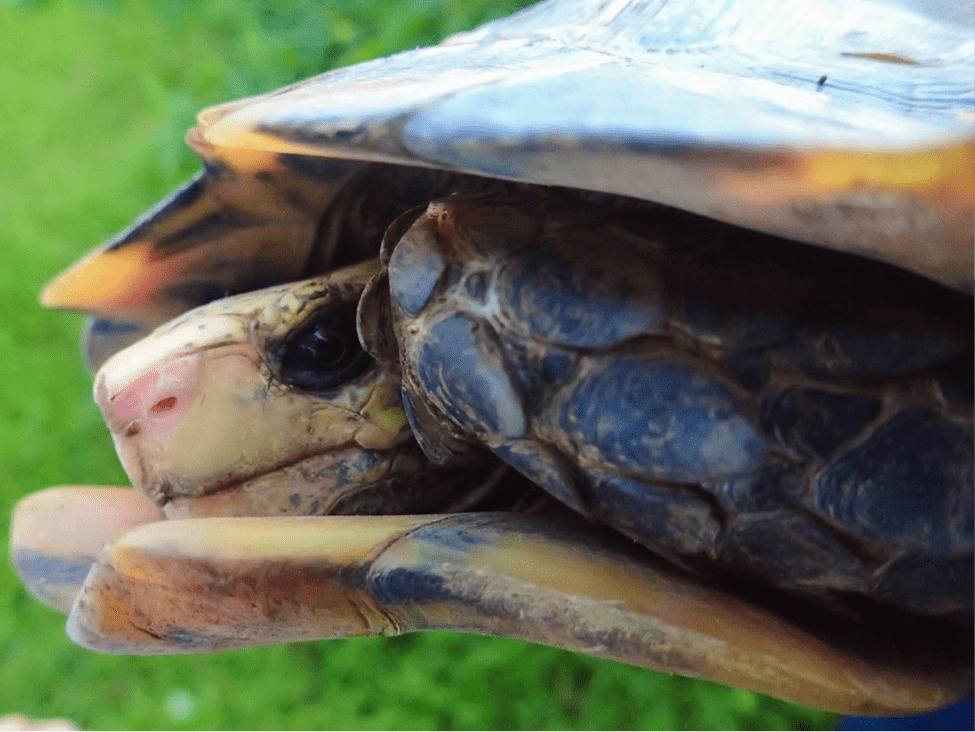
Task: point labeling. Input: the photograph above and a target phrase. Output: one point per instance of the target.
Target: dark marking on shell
(54, 570)
(401, 585)
(162, 212)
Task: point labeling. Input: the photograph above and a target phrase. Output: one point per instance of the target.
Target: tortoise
(548, 286)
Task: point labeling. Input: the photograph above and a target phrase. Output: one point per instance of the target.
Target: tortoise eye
(324, 352)
(323, 347)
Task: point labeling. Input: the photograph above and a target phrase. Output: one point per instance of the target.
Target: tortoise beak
(200, 585)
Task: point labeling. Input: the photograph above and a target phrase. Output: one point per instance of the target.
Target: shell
(844, 124)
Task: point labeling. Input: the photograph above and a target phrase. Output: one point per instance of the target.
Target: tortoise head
(267, 404)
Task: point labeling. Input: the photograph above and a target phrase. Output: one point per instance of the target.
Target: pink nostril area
(153, 401)
(164, 405)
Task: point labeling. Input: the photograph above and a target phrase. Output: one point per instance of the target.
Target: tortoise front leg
(201, 585)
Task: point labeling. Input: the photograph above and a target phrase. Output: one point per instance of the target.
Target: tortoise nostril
(164, 405)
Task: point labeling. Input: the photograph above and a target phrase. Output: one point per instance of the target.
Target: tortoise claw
(201, 585)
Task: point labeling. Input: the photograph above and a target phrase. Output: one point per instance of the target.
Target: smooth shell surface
(843, 124)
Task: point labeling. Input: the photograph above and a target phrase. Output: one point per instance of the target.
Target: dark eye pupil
(324, 352)
(323, 347)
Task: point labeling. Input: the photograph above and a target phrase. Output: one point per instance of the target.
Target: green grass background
(95, 99)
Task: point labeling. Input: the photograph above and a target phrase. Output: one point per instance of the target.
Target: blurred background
(96, 97)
